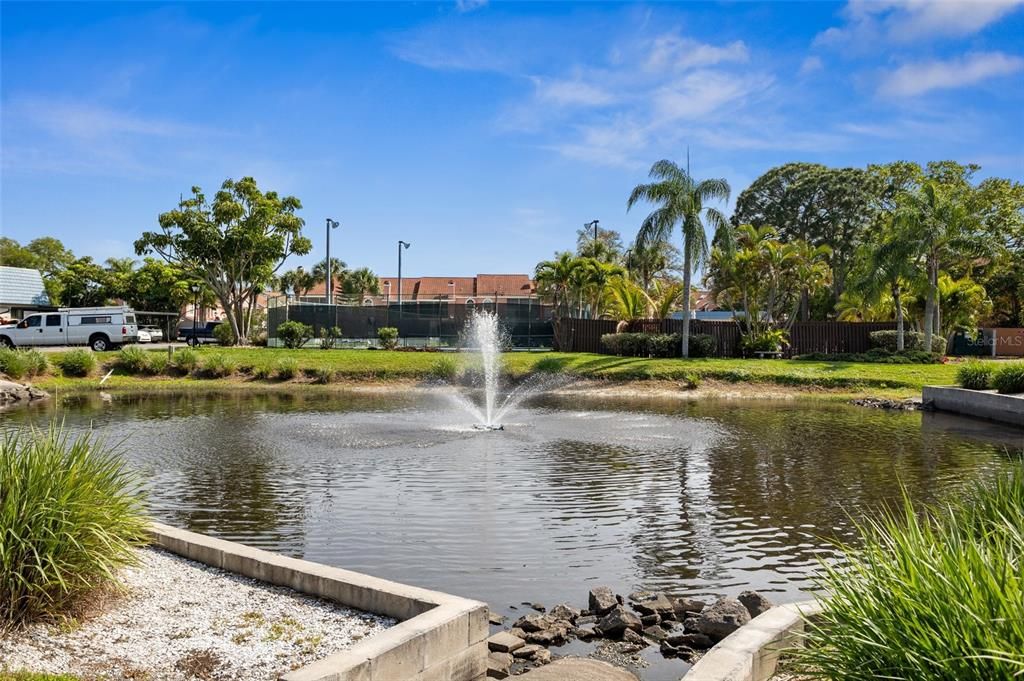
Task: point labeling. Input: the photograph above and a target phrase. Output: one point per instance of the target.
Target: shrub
(13, 362)
(133, 359)
(388, 337)
(875, 356)
(77, 362)
(446, 368)
(912, 340)
(626, 344)
(931, 596)
(323, 375)
(185, 360)
(262, 371)
(70, 515)
(974, 375)
(219, 365)
(224, 334)
(158, 363)
(329, 337)
(703, 345)
(287, 368)
(771, 340)
(1009, 378)
(294, 334)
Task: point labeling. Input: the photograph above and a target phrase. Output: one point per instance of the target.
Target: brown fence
(804, 337)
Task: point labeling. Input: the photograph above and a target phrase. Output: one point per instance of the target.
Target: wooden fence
(804, 337)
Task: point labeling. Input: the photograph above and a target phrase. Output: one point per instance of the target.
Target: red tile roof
(421, 288)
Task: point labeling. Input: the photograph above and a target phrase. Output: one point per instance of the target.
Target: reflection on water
(694, 498)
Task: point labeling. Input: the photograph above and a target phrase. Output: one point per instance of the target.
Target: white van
(101, 328)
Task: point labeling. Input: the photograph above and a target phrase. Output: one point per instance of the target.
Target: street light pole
(593, 223)
(400, 245)
(331, 224)
(195, 314)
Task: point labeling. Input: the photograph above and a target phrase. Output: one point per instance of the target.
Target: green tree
(298, 282)
(361, 282)
(607, 248)
(555, 282)
(681, 201)
(234, 244)
(157, 286)
(646, 262)
(84, 283)
(339, 272)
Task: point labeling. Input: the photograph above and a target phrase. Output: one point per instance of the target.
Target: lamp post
(195, 313)
(331, 224)
(406, 245)
(588, 225)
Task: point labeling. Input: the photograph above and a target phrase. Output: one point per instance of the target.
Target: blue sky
(485, 134)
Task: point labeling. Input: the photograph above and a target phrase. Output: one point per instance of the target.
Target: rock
(690, 624)
(504, 642)
(587, 631)
(543, 656)
(602, 599)
(721, 619)
(754, 602)
(696, 641)
(16, 394)
(655, 633)
(517, 632)
(564, 611)
(533, 622)
(495, 618)
(494, 671)
(618, 620)
(578, 669)
(651, 620)
(555, 636)
(630, 636)
(651, 603)
(687, 606)
(583, 620)
(528, 651)
(667, 649)
(500, 660)
(538, 607)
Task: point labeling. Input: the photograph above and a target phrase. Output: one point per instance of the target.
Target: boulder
(651, 603)
(655, 633)
(602, 599)
(542, 656)
(539, 607)
(528, 651)
(684, 607)
(587, 631)
(578, 669)
(495, 618)
(651, 620)
(689, 624)
(533, 622)
(696, 641)
(556, 635)
(12, 394)
(754, 602)
(504, 642)
(564, 611)
(586, 619)
(721, 619)
(630, 636)
(499, 660)
(617, 621)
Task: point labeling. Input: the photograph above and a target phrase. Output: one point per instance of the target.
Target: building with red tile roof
(483, 288)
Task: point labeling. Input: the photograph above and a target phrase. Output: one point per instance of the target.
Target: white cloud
(905, 21)
(918, 78)
(702, 93)
(571, 92)
(469, 5)
(811, 65)
(85, 121)
(674, 52)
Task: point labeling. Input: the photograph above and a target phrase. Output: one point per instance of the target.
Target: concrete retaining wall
(751, 653)
(985, 404)
(438, 637)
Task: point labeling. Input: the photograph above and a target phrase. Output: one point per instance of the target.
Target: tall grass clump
(133, 359)
(933, 596)
(219, 365)
(70, 515)
(975, 375)
(185, 360)
(22, 363)
(77, 362)
(445, 368)
(287, 368)
(1009, 378)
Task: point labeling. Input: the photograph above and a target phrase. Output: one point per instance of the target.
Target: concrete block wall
(438, 637)
(985, 404)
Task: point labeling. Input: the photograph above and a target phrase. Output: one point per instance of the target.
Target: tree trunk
(929, 306)
(687, 266)
(899, 317)
(805, 305)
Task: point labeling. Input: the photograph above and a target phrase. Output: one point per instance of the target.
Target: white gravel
(182, 620)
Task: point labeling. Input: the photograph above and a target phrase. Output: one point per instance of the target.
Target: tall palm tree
(361, 281)
(892, 265)
(628, 302)
(555, 281)
(680, 200)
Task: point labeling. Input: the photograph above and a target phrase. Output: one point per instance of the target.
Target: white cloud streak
(869, 22)
(914, 79)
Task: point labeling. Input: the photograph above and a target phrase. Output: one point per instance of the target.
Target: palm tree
(298, 281)
(361, 281)
(892, 265)
(339, 272)
(555, 281)
(645, 262)
(680, 200)
(665, 296)
(628, 303)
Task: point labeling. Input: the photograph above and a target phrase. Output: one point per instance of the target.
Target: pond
(703, 499)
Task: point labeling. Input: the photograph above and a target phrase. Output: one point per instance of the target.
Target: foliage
(287, 368)
(930, 596)
(875, 355)
(297, 282)
(83, 283)
(224, 334)
(219, 365)
(361, 281)
(234, 244)
(158, 363)
(703, 345)
(446, 368)
(22, 363)
(913, 340)
(646, 262)
(1008, 379)
(323, 375)
(46, 254)
(768, 340)
(77, 362)
(262, 371)
(185, 360)
(975, 375)
(628, 301)
(70, 515)
(329, 337)
(157, 286)
(388, 337)
(133, 359)
(643, 344)
(294, 334)
(680, 199)
(339, 271)
(607, 248)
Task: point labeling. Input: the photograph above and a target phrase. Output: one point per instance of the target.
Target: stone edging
(438, 638)
(986, 404)
(751, 652)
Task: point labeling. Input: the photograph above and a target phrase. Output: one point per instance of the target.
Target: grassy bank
(273, 367)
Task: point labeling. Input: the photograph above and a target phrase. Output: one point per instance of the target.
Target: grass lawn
(364, 365)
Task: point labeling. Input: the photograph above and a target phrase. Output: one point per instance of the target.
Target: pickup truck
(101, 328)
(197, 334)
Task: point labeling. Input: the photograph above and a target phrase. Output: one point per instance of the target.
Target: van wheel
(99, 342)
(6, 342)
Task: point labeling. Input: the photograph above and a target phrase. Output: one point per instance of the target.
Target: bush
(185, 360)
(158, 363)
(932, 597)
(76, 362)
(323, 375)
(287, 368)
(133, 359)
(329, 337)
(224, 334)
(912, 340)
(974, 375)
(446, 368)
(1009, 378)
(219, 365)
(388, 337)
(70, 515)
(294, 334)
(262, 371)
(875, 356)
(771, 340)
(22, 363)
(703, 345)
